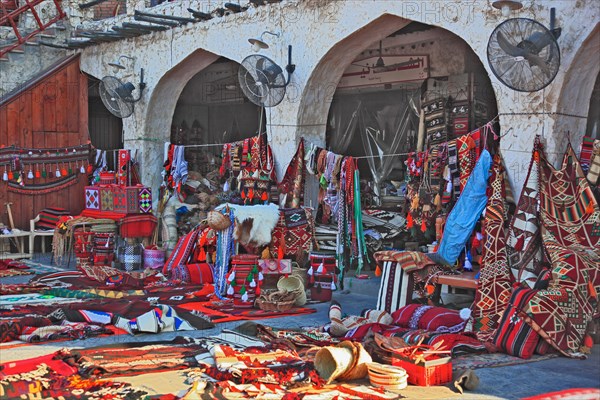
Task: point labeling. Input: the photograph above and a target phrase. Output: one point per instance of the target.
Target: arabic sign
(396, 69)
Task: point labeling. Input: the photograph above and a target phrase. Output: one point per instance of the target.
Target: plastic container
(432, 372)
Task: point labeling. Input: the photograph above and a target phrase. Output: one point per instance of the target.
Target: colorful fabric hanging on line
(466, 211)
(494, 286)
(570, 219)
(523, 245)
(291, 187)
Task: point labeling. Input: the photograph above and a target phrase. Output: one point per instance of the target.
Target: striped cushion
(49, 217)
(394, 287)
(514, 336)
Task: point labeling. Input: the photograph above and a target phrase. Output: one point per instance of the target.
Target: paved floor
(512, 382)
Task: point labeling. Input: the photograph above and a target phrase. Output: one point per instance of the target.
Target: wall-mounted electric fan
(524, 54)
(117, 95)
(263, 81)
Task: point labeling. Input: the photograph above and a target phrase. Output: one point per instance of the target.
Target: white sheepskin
(265, 218)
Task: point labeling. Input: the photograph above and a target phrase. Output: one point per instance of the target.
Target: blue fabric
(466, 211)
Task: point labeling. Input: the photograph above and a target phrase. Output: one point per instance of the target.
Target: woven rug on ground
(53, 377)
(524, 246)
(224, 311)
(491, 360)
(13, 268)
(494, 284)
(41, 268)
(568, 212)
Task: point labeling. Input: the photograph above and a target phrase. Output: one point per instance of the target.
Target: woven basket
(331, 362)
(218, 221)
(295, 284)
(267, 305)
(387, 376)
(358, 370)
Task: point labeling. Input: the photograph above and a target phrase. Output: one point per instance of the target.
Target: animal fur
(255, 224)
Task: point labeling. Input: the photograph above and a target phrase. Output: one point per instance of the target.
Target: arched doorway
(377, 107)
(210, 111)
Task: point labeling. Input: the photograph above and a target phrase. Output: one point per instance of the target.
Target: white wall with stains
(326, 36)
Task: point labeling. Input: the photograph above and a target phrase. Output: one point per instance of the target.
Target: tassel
(280, 250)
(261, 277)
(323, 182)
(378, 271)
(245, 297)
(520, 243)
(82, 169)
(310, 271)
(475, 242)
(89, 169)
(57, 173)
(249, 157)
(449, 187)
(30, 176)
(430, 289)
(467, 265)
(423, 225)
(409, 221)
(253, 283)
(590, 208)
(266, 254)
(333, 287)
(415, 202)
(231, 276)
(5, 176)
(264, 196)
(230, 290)
(437, 202)
(226, 186)
(37, 173)
(321, 268)
(250, 194)
(592, 290)
(255, 175)
(202, 255)
(243, 195)
(257, 290)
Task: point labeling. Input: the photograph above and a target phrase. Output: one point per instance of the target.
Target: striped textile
(513, 335)
(593, 175)
(393, 291)
(49, 217)
(465, 145)
(453, 164)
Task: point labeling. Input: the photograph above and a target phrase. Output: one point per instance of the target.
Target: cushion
(437, 319)
(514, 336)
(49, 217)
(200, 273)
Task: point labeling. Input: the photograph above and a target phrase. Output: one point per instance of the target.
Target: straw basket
(276, 301)
(387, 376)
(218, 221)
(358, 369)
(331, 362)
(294, 284)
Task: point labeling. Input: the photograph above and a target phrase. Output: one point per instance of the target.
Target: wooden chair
(33, 233)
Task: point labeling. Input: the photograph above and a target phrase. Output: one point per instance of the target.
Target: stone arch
(575, 93)
(166, 93)
(320, 87)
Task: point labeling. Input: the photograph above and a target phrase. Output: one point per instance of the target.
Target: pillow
(438, 319)
(49, 217)
(514, 336)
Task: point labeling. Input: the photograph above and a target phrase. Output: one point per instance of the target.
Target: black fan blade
(509, 48)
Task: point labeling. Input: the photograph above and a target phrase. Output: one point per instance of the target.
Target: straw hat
(331, 362)
(295, 284)
(358, 369)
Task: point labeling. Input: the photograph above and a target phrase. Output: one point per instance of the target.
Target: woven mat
(491, 360)
(39, 268)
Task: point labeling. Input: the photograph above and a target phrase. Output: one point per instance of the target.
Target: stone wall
(326, 36)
